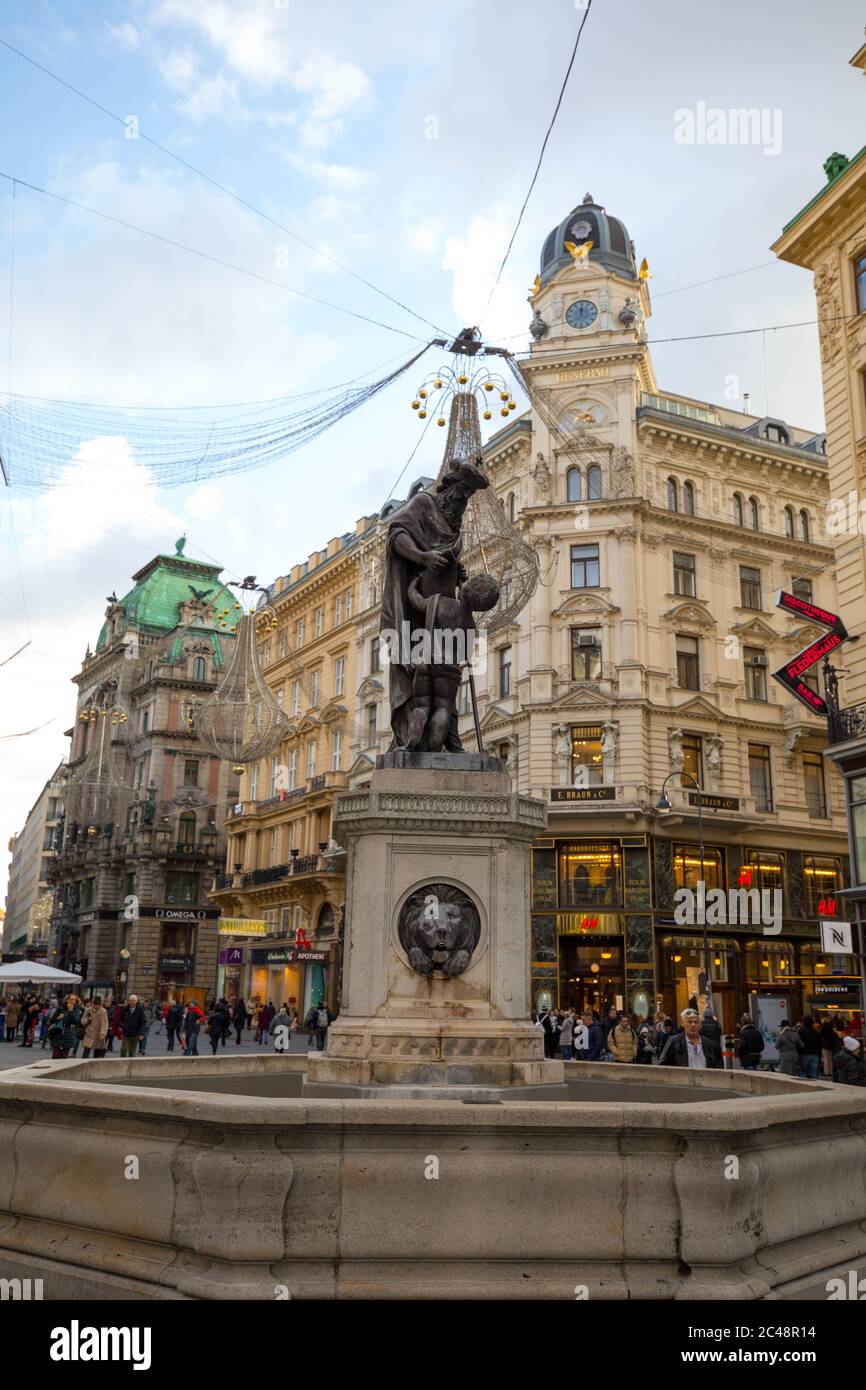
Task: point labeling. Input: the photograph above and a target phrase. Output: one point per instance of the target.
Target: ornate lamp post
(664, 807)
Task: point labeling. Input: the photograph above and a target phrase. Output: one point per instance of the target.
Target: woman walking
(63, 1026)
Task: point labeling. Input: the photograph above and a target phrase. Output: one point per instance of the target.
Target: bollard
(728, 1052)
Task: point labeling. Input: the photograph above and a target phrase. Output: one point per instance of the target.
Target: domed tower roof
(611, 246)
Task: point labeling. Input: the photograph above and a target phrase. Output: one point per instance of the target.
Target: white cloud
(341, 178)
(124, 35)
(205, 501)
(422, 238)
(474, 261)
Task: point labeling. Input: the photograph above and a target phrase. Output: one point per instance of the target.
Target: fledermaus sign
(791, 674)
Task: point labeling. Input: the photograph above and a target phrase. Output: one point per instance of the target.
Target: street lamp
(664, 807)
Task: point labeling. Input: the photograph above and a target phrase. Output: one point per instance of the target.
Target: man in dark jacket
(689, 1048)
(751, 1044)
(592, 1034)
(132, 1025)
(239, 1019)
(811, 1055)
(711, 1028)
(173, 1015)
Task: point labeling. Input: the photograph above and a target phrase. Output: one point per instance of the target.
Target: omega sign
(182, 914)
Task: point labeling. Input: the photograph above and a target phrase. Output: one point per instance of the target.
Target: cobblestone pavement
(12, 1055)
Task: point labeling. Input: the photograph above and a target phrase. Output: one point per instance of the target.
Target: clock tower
(590, 307)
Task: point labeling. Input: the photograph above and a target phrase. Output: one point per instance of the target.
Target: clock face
(582, 313)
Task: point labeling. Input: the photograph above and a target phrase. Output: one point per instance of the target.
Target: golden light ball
(488, 386)
(512, 405)
(463, 378)
(505, 410)
(416, 405)
(423, 395)
(438, 385)
(488, 414)
(441, 420)
(238, 769)
(422, 414)
(503, 395)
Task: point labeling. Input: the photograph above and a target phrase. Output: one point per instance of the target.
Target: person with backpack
(751, 1044)
(323, 1020)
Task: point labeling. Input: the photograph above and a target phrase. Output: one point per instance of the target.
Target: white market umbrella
(31, 972)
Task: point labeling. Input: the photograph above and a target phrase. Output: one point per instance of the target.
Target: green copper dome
(153, 604)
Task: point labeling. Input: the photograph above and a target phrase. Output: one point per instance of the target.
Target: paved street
(12, 1055)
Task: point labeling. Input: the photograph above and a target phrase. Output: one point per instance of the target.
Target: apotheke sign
(285, 955)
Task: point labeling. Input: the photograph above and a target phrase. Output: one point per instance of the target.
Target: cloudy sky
(400, 141)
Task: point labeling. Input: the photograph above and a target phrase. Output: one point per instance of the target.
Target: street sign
(837, 938)
(791, 674)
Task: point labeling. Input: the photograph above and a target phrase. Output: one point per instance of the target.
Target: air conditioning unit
(757, 660)
(587, 639)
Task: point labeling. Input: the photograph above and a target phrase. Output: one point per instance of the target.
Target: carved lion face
(439, 928)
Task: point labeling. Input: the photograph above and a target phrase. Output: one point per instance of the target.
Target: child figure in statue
(446, 643)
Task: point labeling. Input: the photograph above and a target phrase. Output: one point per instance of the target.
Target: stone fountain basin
(156, 1178)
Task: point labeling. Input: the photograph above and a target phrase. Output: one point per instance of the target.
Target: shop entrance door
(591, 973)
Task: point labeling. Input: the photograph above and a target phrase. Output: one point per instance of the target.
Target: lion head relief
(439, 928)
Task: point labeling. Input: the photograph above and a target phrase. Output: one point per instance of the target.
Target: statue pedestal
(437, 882)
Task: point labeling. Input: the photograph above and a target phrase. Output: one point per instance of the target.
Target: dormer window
(777, 434)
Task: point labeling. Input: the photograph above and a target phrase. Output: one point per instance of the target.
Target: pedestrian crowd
(807, 1047)
(93, 1026)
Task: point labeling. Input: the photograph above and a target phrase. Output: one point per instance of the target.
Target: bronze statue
(424, 545)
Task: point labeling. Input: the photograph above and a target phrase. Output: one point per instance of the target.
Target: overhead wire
(547, 135)
(214, 183)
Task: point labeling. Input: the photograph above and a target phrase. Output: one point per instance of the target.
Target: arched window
(754, 514)
(199, 669)
(689, 499)
(789, 522)
(512, 507)
(673, 495)
(186, 828)
(804, 525)
(574, 485)
(325, 923)
(593, 483)
(738, 509)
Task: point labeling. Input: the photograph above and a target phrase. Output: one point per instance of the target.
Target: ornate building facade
(146, 800)
(283, 888)
(828, 236)
(28, 896)
(663, 526)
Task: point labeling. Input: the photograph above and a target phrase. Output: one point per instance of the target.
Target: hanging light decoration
(241, 720)
(100, 780)
(492, 543)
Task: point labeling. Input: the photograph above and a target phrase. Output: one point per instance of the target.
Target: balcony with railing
(846, 724)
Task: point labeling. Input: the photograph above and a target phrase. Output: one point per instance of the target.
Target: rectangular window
(336, 750)
(281, 644)
(320, 621)
(280, 692)
(181, 888)
(314, 689)
(760, 776)
(275, 775)
(338, 610)
(688, 663)
(684, 574)
(292, 770)
(585, 572)
(693, 759)
(190, 772)
(348, 604)
(687, 866)
(339, 668)
(860, 282)
(750, 587)
(586, 759)
(296, 699)
(311, 759)
(505, 671)
(371, 725)
(145, 720)
(802, 588)
(857, 802)
(823, 877)
(272, 846)
(585, 653)
(762, 869)
(813, 785)
(254, 781)
(299, 633)
(755, 667)
(375, 661)
(464, 698)
(590, 875)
